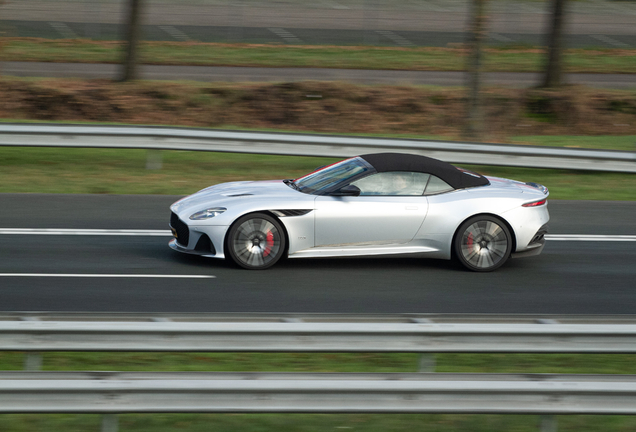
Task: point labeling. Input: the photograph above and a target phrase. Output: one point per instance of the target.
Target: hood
(228, 194)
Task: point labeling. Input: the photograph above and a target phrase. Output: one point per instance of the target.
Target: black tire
(255, 241)
(483, 243)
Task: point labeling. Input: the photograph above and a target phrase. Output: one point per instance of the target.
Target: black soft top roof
(455, 177)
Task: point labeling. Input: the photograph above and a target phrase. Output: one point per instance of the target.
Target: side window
(437, 185)
(393, 183)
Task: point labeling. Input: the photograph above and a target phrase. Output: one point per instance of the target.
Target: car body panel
(360, 220)
(330, 226)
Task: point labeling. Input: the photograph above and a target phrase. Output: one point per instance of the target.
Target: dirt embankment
(321, 107)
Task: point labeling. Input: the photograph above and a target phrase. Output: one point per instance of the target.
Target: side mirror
(349, 190)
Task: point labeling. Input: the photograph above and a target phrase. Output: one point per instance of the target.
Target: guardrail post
(153, 159)
(427, 363)
(33, 361)
(110, 423)
(548, 423)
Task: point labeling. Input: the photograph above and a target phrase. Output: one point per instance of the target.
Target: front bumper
(204, 241)
(206, 252)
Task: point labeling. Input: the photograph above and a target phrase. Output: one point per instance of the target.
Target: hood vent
(238, 194)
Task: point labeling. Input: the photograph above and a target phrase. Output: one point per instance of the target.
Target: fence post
(548, 423)
(427, 362)
(33, 361)
(153, 159)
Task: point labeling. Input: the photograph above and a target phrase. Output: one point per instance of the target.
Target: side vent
(288, 213)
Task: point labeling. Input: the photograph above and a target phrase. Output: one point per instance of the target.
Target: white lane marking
(586, 237)
(610, 41)
(167, 233)
(85, 232)
(175, 33)
(285, 35)
(80, 275)
(64, 30)
(396, 38)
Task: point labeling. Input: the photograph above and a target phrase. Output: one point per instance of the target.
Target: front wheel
(256, 241)
(483, 243)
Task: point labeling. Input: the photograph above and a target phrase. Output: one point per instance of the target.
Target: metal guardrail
(313, 317)
(164, 138)
(110, 393)
(420, 335)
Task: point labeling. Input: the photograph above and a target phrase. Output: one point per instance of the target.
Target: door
(389, 210)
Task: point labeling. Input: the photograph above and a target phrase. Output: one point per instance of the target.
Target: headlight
(208, 213)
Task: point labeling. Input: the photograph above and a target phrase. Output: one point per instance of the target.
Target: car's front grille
(181, 229)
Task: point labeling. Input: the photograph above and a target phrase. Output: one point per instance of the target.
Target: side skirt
(324, 252)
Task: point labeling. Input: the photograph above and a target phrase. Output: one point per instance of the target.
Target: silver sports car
(376, 204)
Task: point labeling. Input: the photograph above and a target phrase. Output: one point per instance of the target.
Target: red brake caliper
(270, 243)
(470, 240)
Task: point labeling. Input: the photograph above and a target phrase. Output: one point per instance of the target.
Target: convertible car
(376, 204)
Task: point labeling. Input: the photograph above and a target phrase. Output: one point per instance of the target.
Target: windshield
(327, 178)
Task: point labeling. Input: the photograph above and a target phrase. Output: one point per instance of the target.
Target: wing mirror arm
(349, 190)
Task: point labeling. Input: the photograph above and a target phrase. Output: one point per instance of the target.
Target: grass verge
(116, 171)
(314, 423)
(505, 59)
(328, 362)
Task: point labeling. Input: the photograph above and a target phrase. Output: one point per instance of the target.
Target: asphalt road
(249, 74)
(284, 34)
(568, 278)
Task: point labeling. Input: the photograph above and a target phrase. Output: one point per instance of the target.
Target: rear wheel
(256, 241)
(483, 243)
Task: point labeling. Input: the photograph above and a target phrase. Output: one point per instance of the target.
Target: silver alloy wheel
(483, 244)
(256, 241)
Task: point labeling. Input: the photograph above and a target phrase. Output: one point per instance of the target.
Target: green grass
(117, 171)
(314, 423)
(512, 59)
(328, 362)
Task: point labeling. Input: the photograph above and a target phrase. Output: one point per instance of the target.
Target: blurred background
(589, 23)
